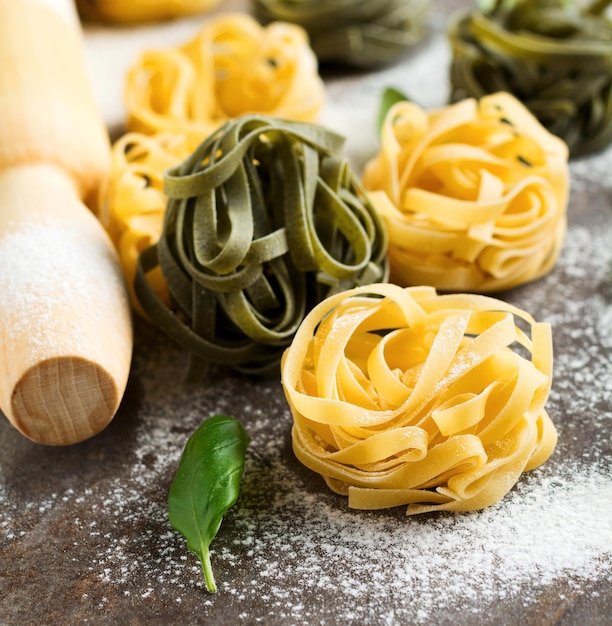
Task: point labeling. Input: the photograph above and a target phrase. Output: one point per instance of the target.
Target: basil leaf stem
(206, 485)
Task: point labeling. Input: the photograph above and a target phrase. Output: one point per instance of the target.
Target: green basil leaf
(390, 97)
(206, 485)
(488, 6)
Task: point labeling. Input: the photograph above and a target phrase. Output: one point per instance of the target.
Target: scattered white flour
(48, 271)
(588, 172)
(307, 557)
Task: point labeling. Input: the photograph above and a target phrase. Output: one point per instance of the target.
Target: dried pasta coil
(553, 56)
(134, 11)
(474, 195)
(401, 396)
(132, 202)
(264, 220)
(231, 68)
(352, 32)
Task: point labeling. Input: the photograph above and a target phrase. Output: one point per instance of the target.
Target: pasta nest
(553, 56)
(177, 97)
(132, 202)
(232, 67)
(474, 195)
(352, 32)
(264, 219)
(134, 11)
(401, 396)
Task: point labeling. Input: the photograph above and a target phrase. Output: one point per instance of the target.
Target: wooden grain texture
(65, 324)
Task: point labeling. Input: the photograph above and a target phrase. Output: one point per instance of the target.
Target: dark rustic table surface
(84, 533)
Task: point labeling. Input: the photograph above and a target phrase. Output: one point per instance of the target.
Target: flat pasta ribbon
(474, 195)
(135, 11)
(265, 219)
(177, 97)
(553, 56)
(352, 32)
(133, 203)
(231, 68)
(401, 396)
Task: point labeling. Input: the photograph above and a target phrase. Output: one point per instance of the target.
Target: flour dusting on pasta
(403, 396)
(291, 546)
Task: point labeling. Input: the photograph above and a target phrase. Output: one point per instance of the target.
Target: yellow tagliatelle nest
(474, 195)
(177, 97)
(232, 67)
(133, 203)
(401, 396)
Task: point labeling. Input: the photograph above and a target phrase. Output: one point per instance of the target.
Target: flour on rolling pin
(42, 254)
(65, 321)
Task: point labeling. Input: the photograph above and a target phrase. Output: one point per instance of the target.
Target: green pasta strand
(553, 56)
(264, 220)
(352, 32)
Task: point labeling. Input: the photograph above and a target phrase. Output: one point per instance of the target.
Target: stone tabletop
(84, 533)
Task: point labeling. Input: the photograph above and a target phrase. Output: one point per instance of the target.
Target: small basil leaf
(390, 97)
(491, 6)
(206, 485)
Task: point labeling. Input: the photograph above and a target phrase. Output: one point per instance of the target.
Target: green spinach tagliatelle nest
(264, 220)
(357, 33)
(552, 55)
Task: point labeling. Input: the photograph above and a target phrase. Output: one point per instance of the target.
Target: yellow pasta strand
(135, 11)
(232, 67)
(401, 396)
(474, 195)
(176, 97)
(132, 203)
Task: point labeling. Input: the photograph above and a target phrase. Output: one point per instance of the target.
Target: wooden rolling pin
(65, 321)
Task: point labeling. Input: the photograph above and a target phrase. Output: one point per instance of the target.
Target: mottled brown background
(84, 537)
